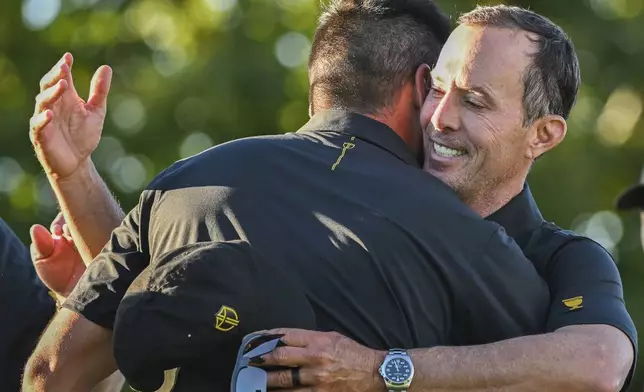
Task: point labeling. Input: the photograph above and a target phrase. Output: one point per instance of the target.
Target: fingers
(287, 356)
(38, 122)
(59, 71)
(297, 337)
(50, 95)
(42, 243)
(56, 227)
(67, 232)
(100, 87)
(284, 379)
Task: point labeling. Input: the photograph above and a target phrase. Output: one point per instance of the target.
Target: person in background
(632, 199)
(25, 308)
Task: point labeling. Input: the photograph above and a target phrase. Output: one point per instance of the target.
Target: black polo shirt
(25, 308)
(585, 285)
(387, 254)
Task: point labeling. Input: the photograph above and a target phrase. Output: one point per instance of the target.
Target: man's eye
(472, 103)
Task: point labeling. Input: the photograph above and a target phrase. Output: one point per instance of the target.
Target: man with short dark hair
(504, 83)
(351, 64)
(341, 198)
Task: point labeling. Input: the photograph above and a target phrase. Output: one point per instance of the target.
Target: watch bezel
(391, 383)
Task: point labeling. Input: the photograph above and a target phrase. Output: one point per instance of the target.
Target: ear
(423, 82)
(548, 132)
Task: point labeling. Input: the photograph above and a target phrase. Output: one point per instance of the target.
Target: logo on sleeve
(227, 319)
(574, 303)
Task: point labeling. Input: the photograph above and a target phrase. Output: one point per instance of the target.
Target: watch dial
(398, 370)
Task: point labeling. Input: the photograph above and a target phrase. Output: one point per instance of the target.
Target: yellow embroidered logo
(574, 303)
(227, 319)
(345, 146)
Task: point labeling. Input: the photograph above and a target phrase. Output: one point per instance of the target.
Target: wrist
(58, 299)
(376, 379)
(83, 174)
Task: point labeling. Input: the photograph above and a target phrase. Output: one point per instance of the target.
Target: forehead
(488, 56)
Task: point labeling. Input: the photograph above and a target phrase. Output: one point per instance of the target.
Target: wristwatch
(397, 370)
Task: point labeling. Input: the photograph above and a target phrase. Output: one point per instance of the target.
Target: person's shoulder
(229, 158)
(567, 246)
(565, 238)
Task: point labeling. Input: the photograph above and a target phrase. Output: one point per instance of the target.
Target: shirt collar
(520, 215)
(362, 127)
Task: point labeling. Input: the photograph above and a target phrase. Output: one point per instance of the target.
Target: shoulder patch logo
(227, 319)
(574, 303)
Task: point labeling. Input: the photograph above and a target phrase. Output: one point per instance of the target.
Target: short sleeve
(25, 307)
(586, 288)
(101, 288)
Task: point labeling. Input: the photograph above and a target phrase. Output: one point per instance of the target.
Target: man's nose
(446, 117)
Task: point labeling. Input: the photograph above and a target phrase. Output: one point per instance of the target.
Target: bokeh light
(194, 144)
(292, 49)
(38, 14)
(11, 174)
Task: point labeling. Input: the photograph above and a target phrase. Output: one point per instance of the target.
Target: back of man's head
(365, 50)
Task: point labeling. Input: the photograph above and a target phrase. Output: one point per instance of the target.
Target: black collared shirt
(25, 308)
(585, 285)
(387, 254)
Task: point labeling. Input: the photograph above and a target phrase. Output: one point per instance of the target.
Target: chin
(448, 178)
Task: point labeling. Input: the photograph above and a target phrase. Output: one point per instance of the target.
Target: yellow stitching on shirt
(345, 146)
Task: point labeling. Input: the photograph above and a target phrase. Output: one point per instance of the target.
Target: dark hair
(364, 50)
(551, 82)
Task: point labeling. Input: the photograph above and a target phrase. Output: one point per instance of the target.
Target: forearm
(73, 355)
(90, 210)
(578, 359)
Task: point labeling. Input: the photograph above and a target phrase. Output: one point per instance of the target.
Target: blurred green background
(191, 74)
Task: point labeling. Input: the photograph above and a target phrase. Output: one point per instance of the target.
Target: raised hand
(65, 129)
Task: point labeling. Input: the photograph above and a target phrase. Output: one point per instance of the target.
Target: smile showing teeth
(446, 151)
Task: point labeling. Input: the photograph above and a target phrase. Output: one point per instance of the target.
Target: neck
(485, 203)
(403, 124)
(403, 118)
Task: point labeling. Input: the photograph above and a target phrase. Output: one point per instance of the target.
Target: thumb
(42, 243)
(100, 87)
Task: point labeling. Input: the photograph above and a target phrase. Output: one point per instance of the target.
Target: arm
(90, 210)
(59, 266)
(587, 349)
(82, 351)
(64, 131)
(76, 350)
(574, 358)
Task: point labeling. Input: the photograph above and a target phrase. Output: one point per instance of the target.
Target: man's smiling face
(473, 117)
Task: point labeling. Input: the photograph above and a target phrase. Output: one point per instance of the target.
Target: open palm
(65, 129)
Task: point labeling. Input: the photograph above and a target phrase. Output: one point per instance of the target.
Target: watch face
(398, 370)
